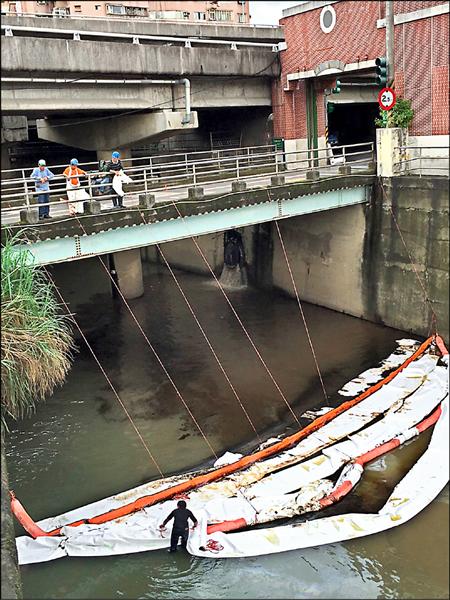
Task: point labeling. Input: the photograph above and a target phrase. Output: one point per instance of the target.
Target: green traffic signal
(337, 89)
(381, 70)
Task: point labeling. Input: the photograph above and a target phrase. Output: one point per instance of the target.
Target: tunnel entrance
(351, 123)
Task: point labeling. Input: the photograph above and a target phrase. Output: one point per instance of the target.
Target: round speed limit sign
(386, 98)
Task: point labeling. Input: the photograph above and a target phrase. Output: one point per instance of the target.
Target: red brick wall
(406, 6)
(421, 61)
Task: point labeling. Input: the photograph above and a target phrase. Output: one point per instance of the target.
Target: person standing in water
(180, 527)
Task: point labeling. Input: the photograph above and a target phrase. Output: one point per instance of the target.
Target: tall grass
(36, 338)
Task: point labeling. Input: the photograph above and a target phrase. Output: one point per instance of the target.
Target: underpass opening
(351, 118)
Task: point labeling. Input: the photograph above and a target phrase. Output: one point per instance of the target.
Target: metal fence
(171, 172)
(422, 160)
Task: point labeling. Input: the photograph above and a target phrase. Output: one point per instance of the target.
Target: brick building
(203, 11)
(327, 41)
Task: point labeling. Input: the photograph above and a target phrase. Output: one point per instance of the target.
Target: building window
(327, 19)
(200, 16)
(77, 7)
(242, 18)
(136, 11)
(219, 15)
(115, 9)
(98, 6)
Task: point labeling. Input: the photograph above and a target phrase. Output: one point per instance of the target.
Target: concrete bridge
(55, 67)
(226, 193)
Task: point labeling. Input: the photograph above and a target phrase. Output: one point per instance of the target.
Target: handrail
(152, 157)
(229, 167)
(170, 163)
(409, 163)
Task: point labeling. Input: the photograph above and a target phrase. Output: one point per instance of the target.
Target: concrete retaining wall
(392, 292)
(325, 253)
(353, 259)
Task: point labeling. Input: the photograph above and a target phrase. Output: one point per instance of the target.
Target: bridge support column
(128, 266)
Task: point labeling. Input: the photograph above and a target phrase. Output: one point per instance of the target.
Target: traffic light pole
(390, 41)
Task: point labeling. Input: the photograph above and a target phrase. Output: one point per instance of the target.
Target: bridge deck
(83, 236)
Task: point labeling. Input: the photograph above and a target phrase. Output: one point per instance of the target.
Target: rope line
(433, 323)
(177, 391)
(72, 317)
(205, 336)
(209, 343)
(302, 313)
(237, 317)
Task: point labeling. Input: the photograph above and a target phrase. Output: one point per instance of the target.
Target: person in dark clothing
(180, 527)
(113, 167)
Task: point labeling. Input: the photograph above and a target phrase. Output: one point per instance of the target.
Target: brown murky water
(79, 446)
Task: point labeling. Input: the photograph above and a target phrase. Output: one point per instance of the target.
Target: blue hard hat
(115, 154)
(74, 161)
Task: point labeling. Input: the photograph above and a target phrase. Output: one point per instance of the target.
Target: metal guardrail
(150, 176)
(78, 34)
(422, 160)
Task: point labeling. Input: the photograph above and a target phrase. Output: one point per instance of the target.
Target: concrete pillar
(29, 216)
(6, 162)
(128, 267)
(196, 193)
(277, 180)
(388, 154)
(312, 175)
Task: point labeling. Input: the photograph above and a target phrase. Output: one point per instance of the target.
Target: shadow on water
(79, 447)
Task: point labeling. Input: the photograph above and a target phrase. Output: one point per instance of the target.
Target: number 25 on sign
(386, 98)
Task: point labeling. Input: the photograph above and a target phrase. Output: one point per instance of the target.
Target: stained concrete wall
(391, 289)
(325, 251)
(353, 259)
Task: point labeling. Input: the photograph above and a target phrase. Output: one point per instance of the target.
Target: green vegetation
(36, 337)
(400, 115)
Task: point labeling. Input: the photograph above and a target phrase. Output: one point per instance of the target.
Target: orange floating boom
(246, 461)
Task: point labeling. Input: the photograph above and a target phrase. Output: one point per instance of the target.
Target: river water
(79, 446)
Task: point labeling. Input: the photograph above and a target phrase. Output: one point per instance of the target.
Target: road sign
(278, 143)
(386, 98)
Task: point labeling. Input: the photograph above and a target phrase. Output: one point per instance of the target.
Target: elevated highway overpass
(52, 68)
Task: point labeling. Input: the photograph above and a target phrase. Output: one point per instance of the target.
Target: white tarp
(402, 403)
(414, 492)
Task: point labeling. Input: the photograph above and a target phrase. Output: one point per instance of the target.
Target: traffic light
(381, 70)
(336, 89)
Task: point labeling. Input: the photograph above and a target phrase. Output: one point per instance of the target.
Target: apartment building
(228, 11)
